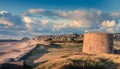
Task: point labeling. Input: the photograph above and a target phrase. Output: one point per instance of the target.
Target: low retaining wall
(24, 55)
(17, 63)
(12, 65)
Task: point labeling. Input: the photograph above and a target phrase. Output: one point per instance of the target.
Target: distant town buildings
(65, 37)
(116, 36)
(68, 37)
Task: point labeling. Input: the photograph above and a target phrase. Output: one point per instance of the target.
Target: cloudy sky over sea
(19, 18)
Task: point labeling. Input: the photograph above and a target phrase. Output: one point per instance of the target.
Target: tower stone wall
(98, 43)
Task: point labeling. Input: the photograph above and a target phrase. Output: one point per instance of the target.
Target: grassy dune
(69, 56)
(83, 62)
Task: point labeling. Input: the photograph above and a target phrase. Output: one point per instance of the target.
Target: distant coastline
(8, 40)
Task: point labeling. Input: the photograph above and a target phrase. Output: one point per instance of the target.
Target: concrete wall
(12, 65)
(98, 43)
(16, 63)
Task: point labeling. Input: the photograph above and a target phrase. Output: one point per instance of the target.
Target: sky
(20, 18)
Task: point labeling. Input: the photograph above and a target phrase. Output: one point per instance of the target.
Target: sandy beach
(14, 49)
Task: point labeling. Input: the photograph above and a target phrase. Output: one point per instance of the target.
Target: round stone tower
(98, 43)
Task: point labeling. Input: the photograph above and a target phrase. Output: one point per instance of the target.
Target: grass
(37, 51)
(72, 45)
(65, 57)
(82, 62)
(75, 47)
(74, 63)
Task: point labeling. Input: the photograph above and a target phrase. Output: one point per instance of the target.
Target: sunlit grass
(74, 63)
(69, 56)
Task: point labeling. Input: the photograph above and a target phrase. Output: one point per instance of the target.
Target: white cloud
(63, 14)
(109, 26)
(82, 23)
(10, 22)
(27, 19)
(59, 26)
(115, 14)
(44, 21)
(3, 12)
(111, 30)
(78, 13)
(10, 25)
(36, 11)
(60, 20)
(75, 24)
(5, 22)
(108, 23)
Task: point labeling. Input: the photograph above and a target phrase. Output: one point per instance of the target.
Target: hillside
(62, 55)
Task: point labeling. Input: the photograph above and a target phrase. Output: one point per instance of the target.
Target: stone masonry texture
(98, 43)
